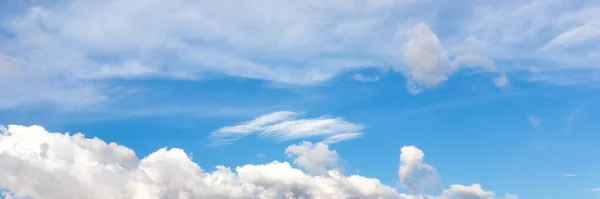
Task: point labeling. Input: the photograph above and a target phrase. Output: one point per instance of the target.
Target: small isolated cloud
(362, 78)
(314, 158)
(286, 125)
(594, 189)
(569, 175)
(501, 81)
(41, 164)
(261, 155)
(534, 121)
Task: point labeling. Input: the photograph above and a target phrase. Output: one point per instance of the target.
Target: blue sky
(498, 94)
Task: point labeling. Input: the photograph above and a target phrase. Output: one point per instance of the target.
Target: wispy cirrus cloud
(286, 125)
(363, 78)
(92, 42)
(594, 189)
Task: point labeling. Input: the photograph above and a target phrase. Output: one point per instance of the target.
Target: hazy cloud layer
(76, 48)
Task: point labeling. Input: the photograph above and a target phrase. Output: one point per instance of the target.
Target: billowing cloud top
(40, 164)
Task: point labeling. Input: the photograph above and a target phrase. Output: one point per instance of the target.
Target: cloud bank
(41, 164)
(81, 47)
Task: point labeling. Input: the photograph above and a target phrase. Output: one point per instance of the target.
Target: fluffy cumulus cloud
(286, 125)
(427, 60)
(462, 191)
(413, 170)
(315, 158)
(41, 164)
(66, 44)
(430, 64)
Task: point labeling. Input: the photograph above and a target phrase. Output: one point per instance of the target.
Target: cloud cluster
(430, 64)
(40, 164)
(89, 42)
(427, 60)
(291, 42)
(285, 125)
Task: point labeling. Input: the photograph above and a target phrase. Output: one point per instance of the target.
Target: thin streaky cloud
(285, 126)
(341, 137)
(362, 78)
(210, 38)
(594, 189)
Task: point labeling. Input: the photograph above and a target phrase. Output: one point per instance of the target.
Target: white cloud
(569, 175)
(23, 85)
(76, 167)
(74, 43)
(9, 68)
(472, 192)
(292, 42)
(362, 78)
(426, 58)
(341, 137)
(469, 53)
(41, 164)
(560, 34)
(501, 81)
(258, 123)
(284, 126)
(430, 64)
(567, 78)
(576, 35)
(413, 171)
(314, 158)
